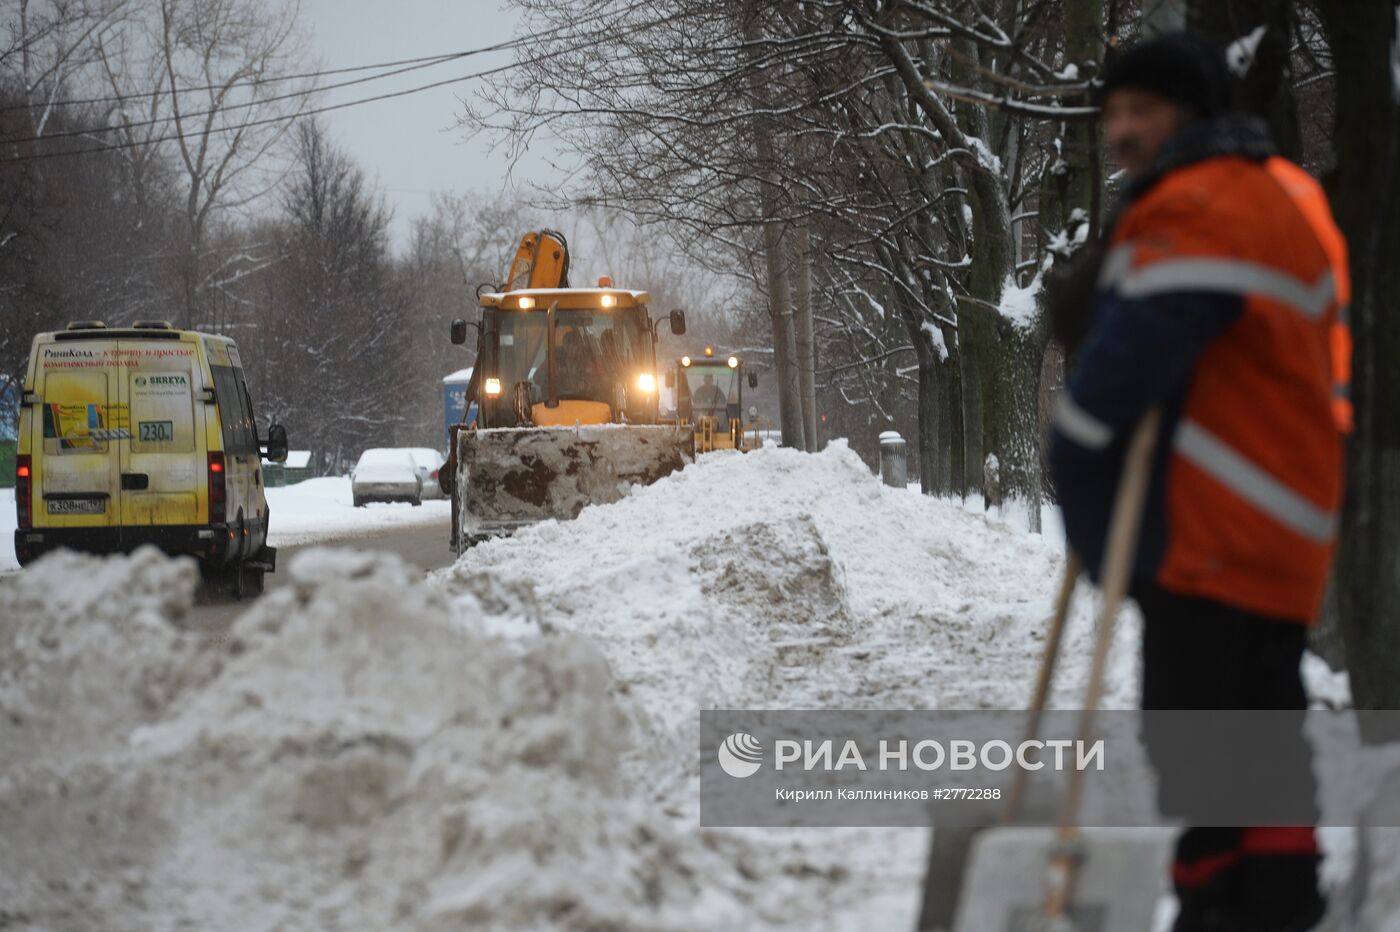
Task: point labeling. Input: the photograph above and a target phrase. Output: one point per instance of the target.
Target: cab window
(239, 436)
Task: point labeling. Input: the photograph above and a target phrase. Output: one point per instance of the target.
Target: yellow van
(143, 435)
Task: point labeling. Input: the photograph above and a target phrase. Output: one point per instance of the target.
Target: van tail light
(218, 500)
(24, 490)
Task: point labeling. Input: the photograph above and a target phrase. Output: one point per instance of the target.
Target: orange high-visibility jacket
(1221, 300)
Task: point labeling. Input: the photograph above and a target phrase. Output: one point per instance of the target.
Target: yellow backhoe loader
(709, 397)
(565, 391)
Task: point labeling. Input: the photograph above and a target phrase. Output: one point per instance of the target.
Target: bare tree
(332, 334)
(1365, 191)
(221, 62)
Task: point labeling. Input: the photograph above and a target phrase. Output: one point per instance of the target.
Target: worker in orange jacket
(1218, 299)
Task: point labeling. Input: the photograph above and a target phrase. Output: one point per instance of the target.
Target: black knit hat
(1176, 66)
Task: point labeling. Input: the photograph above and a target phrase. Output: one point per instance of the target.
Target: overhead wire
(229, 108)
(257, 82)
(420, 63)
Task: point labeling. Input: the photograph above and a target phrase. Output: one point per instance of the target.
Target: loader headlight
(685, 360)
(493, 388)
(733, 362)
(527, 303)
(646, 382)
(609, 300)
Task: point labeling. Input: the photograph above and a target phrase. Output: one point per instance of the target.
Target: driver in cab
(709, 400)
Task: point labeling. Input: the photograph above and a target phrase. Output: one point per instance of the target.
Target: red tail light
(24, 490)
(217, 497)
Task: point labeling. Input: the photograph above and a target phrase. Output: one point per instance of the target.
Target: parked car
(429, 462)
(386, 475)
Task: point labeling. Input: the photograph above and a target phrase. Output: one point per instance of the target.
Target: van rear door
(78, 436)
(160, 461)
(242, 478)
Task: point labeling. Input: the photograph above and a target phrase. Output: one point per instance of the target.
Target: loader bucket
(511, 477)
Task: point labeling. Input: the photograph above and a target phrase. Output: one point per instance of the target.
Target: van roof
(128, 333)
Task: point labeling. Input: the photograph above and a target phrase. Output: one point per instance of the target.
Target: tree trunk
(929, 398)
(943, 471)
(806, 346)
(189, 282)
(779, 305)
(1365, 190)
(993, 259)
(1025, 358)
(784, 342)
(969, 353)
(954, 415)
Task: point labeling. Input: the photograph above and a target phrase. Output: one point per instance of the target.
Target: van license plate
(77, 506)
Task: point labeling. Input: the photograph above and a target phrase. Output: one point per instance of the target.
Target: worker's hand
(1070, 288)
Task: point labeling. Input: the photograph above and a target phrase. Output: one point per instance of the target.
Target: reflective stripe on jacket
(1221, 301)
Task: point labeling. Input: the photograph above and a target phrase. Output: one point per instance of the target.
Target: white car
(429, 461)
(386, 475)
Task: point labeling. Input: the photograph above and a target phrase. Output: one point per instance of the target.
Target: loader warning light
(493, 387)
(709, 351)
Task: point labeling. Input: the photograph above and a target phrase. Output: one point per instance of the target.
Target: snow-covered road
(314, 511)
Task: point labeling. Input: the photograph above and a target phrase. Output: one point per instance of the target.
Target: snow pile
(8, 522)
(777, 579)
(346, 755)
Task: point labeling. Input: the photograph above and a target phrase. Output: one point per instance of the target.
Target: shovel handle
(1053, 637)
(1117, 572)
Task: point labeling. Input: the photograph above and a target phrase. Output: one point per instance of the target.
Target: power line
(75, 133)
(257, 82)
(409, 65)
(92, 150)
(433, 59)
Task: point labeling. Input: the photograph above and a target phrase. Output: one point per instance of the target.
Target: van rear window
(240, 434)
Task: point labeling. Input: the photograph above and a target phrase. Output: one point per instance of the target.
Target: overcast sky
(409, 144)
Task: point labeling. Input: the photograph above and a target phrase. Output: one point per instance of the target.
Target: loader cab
(709, 395)
(565, 357)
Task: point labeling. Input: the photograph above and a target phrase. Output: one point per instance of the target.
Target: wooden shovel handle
(1053, 636)
(1123, 531)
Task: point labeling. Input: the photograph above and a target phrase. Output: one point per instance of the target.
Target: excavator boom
(541, 261)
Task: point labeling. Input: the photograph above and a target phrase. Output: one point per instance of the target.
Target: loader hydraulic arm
(541, 261)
